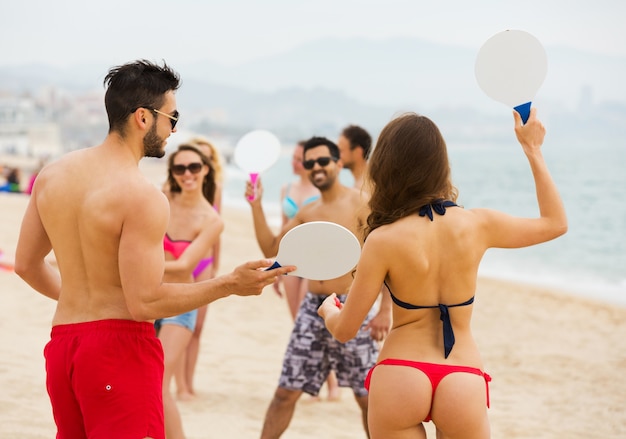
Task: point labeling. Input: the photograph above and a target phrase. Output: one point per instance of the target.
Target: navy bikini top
(438, 207)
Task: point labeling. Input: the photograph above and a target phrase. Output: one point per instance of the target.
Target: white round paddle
(510, 68)
(320, 250)
(255, 152)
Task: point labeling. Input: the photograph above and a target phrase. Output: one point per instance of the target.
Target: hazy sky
(63, 32)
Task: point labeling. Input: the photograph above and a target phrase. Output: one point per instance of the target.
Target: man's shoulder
(141, 193)
(356, 194)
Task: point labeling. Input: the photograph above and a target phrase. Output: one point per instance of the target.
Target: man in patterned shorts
(312, 352)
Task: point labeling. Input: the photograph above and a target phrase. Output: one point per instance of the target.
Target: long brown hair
(408, 169)
(208, 185)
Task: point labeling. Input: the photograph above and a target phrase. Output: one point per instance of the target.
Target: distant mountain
(323, 85)
(409, 72)
(396, 73)
(294, 111)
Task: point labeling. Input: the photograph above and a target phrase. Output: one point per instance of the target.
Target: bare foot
(185, 396)
(312, 399)
(334, 394)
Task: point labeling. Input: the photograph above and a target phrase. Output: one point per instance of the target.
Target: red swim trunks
(104, 379)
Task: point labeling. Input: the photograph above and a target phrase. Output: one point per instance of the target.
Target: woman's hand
(329, 306)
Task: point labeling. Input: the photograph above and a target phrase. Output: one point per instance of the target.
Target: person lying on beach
(105, 223)
(427, 250)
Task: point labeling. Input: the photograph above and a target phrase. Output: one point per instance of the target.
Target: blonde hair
(216, 158)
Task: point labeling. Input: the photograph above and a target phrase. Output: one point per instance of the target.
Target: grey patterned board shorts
(312, 352)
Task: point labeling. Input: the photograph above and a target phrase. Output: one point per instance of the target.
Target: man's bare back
(106, 223)
(89, 194)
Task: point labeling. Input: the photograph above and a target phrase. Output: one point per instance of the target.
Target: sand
(557, 360)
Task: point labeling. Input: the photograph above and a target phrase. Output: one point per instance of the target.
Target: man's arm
(141, 263)
(268, 242)
(32, 247)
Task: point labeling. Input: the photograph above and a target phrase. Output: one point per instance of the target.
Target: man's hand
(250, 278)
(380, 324)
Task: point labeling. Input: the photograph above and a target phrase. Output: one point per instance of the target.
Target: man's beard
(326, 184)
(153, 144)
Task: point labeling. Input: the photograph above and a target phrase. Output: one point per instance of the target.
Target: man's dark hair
(358, 137)
(318, 141)
(137, 84)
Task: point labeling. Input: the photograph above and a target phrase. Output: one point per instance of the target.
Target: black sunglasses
(173, 119)
(322, 161)
(194, 168)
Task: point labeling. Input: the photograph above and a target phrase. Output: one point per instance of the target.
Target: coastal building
(27, 128)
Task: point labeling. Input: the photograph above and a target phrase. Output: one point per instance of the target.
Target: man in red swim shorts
(114, 389)
(105, 222)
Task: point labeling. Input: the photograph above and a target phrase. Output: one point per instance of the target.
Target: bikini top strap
(439, 206)
(448, 333)
(444, 316)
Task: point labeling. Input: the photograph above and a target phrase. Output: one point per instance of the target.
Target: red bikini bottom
(435, 372)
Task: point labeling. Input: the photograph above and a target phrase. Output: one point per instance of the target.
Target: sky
(230, 32)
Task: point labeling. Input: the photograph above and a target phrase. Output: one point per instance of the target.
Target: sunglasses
(173, 119)
(194, 168)
(322, 161)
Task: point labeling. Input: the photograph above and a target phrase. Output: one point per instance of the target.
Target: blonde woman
(207, 269)
(194, 228)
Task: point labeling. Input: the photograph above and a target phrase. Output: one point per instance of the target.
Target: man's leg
(362, 402)
(279, 413)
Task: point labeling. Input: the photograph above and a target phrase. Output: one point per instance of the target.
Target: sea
(588, 261)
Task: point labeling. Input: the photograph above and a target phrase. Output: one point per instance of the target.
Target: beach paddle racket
(510, 68)
(320, 250)
(255, 152)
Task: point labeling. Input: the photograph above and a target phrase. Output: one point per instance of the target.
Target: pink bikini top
(176, 248)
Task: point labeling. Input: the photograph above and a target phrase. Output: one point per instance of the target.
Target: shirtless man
(354, 145)
(106, 222)
(312, 352)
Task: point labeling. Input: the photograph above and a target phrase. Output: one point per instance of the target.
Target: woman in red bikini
(427, 250)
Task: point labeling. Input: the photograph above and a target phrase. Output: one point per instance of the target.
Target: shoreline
(587, 286)
(596, 292)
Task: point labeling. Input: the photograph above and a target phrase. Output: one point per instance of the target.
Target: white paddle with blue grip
(320, 250)
(510, 68)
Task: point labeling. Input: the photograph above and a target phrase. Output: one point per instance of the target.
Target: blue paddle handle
(524, 111)
(274, 265)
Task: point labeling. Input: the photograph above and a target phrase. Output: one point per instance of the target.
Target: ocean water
(589, 261)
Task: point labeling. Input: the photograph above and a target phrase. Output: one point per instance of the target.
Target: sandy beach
(557, 360)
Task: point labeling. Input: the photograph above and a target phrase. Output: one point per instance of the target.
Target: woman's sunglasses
(194, 168)
(322, 161)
